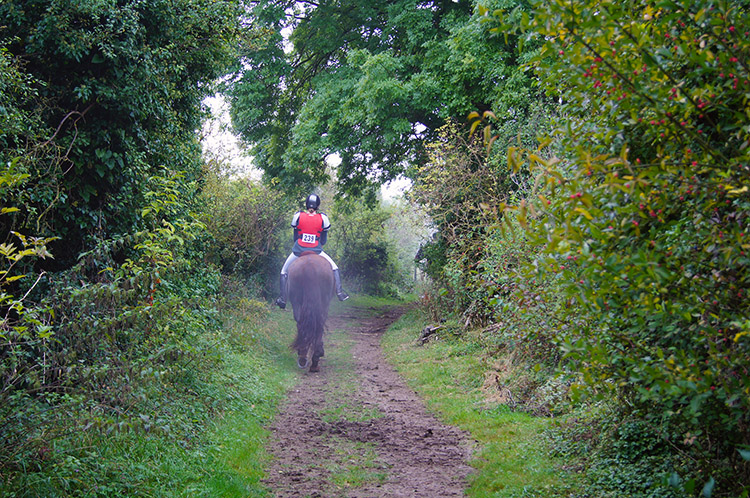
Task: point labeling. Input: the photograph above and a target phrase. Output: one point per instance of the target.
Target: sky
(221, 143)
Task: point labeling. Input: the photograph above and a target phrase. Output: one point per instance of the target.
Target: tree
(113, 97)
(369, 82)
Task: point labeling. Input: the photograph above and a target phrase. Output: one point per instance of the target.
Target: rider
(310, 234)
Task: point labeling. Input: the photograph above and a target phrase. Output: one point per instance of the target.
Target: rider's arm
(295, 222)
(326, 226)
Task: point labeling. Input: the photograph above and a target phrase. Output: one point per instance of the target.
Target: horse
(311, 288)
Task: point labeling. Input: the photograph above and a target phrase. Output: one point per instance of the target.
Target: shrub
(249, 225)
(360, 245)
(133, 313)
(464, 191)
(643, 218)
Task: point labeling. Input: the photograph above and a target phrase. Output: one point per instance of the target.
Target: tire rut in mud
(356, 430)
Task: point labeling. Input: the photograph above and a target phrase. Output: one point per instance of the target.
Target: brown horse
(310, 290)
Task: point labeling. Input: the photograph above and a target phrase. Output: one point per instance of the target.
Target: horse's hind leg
(302, 357)
(317, 354)
(314, 365)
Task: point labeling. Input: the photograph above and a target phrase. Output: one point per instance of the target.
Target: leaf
(708, 488)
(7, 249)
(474, 126)
(20, 255)
(737, 191)
(522, 214)
(489, 144)
(584, 212)
(513, 160)
(538, 159)
(9, 210)
(674, 479)
(690, 486)
(745, 454)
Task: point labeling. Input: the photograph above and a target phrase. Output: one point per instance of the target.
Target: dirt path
(356, 430)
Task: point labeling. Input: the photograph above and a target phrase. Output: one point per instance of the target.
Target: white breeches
(292, 257)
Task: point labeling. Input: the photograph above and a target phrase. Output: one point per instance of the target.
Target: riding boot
(343, 296)
(281, 300)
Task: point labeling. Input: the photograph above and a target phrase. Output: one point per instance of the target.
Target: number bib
(309, 238)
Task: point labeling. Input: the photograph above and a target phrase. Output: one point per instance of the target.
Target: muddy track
(356, 430)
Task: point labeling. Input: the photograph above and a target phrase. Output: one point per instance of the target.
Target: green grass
(261, 372)
(225, 455)
(368, 305)
(512, 457)
(210, 426)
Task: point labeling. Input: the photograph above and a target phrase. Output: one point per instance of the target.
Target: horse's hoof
(314, 368)
(302, 362)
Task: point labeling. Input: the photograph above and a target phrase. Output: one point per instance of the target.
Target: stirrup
(280, 303)
(343, 296)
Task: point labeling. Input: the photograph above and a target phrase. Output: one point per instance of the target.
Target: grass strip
(259, 373)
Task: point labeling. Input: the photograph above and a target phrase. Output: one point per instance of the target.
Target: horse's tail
(311, 320)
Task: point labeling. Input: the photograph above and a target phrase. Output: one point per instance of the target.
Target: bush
(133, 314)
(643, 218)
(464, 191)
(360, 245)
(249, 226)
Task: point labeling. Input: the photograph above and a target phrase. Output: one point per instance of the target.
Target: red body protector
(309, 232)
(310, 227)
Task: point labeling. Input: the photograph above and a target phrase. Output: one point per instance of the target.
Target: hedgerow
(641, 218)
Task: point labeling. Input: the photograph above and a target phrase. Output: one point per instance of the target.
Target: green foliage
(465, 192)
(643, 219)
(24, 326)
(360, 245)
(629, 461)
(100, 95)
(106, 353)
(249, 224)
(197, 433)
(110, 331)
(369, 82)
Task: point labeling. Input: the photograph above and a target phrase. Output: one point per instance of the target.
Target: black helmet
(313, 201)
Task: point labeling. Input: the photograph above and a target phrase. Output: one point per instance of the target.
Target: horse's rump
(310, 291)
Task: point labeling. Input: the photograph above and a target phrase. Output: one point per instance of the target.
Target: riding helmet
(313, 201)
